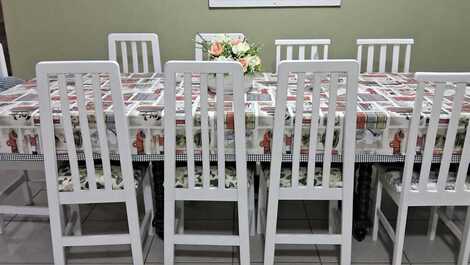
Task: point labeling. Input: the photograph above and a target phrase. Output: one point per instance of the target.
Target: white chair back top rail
(139, 51)
(71, 73)
(303, 49)
(317, 70)
(444, 83)
(221, 71)
(3, 63)
(200, 37)
(395, 44)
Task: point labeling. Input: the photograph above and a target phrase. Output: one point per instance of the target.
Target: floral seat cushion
(65, 179)
(231, 181)
(336, 177)
(393, 178)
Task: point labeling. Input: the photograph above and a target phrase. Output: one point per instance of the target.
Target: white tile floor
(27, 240)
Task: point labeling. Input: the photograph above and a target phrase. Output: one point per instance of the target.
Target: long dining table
(384, 104)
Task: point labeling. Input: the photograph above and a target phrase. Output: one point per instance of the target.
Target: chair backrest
(306, 48)
(223, 118)
(3, 63)
(200, 37)
(431, 114)
(77, 89)
(342, 76)
(140, 60)
(383, 44)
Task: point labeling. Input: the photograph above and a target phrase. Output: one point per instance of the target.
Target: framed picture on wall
(272, 3)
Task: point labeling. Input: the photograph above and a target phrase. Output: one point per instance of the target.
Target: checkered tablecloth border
(360, 158)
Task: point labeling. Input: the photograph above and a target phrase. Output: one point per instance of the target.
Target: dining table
(384, 105)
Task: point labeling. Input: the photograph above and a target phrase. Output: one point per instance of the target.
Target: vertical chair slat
(125, 67)
(205, 132)
(145, 59)
(316, 87)
(431, 137)
(314, 52)
(72, 152)
(188, 110)
(220, 130)
(370, 58)
(325, 52)
(330, 130)
(299, 110)
(412, 137)
(395, 58)
(464, 163)
(135, 57)
(407, 59)
(450, 136)
(278, 55)
(101, 126)
(301, 52)
(383, 58)
(359, 56)
(289, 53)
(84, 127)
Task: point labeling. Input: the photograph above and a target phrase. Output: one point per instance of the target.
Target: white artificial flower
(254, 61)
(240, 48)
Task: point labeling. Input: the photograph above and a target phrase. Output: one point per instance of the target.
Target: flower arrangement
(228, 49)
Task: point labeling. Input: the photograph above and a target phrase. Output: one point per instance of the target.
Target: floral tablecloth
(385, 102)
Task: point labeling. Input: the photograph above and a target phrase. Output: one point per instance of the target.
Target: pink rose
(235, 41)
(216, 49)
(244, 63)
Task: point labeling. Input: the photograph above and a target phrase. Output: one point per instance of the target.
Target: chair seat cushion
(393, 178)
(231, 181)
(336, 176)
(65, 179)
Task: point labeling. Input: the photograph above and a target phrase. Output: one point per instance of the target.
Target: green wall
(76, 29)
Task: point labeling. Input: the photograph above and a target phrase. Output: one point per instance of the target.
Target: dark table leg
(158, 182)
(361, 220)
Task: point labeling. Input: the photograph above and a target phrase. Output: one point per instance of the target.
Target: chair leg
(56, 219)
(148, 199)
(180, 206)
(465, 244)
(134, 230)
(28, 196)
(252, 216)
(378, 202)
(169, 227)
(271, 226)
(2, 224)
(75, 213)
(400, 235)
(433, 220)
(333, 205)
(261, 215)
(243, 228)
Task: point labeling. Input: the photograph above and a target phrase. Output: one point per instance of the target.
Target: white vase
(228, 84)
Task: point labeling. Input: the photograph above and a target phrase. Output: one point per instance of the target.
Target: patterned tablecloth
(385, 102)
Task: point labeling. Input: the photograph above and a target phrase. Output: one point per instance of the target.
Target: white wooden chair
(199, 53)
(383, 44)
(82, 186)
(3, 63)
(307, 48)
(211, 184)
(22, 180)
(140, 60)
(314, 186)
(423, 186)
